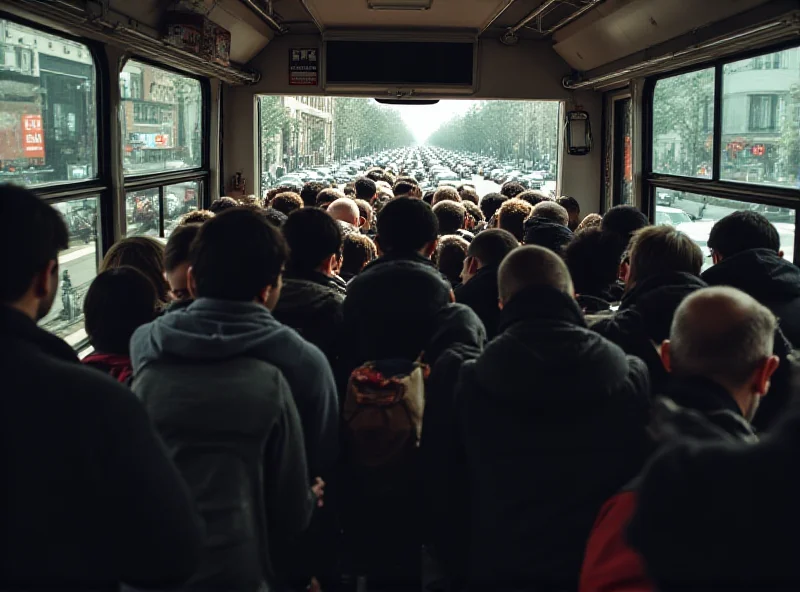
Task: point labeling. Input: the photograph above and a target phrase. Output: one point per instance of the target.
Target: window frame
(785, 197)
(163, 179)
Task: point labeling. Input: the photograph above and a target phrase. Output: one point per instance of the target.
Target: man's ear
(716, 257)
(763, 375)
(430, 248)
(780, 254)
(666, 360)
(362, 221)
(473, 265)
(191, 283)
(624, 271)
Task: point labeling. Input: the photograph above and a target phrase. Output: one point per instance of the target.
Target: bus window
(142, 210)
(48, 127)
(179, 199)
(162, 120)
(77, 267)
(335, 140)
(683, 125)
(696, 214)
(761, 120)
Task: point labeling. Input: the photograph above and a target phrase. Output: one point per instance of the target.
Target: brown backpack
(383, 414)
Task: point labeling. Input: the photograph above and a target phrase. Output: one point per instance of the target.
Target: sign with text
(303, 67)
(32, 136)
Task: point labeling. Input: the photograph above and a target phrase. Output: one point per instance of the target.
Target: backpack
(382, 415)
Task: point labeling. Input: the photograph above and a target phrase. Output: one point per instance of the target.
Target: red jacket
(609, 564)
(119, 367)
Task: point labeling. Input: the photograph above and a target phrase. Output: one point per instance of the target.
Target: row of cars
(431, 166)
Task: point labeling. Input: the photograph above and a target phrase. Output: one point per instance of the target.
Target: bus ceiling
(590, 37)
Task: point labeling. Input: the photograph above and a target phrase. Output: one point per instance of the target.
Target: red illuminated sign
(32, 136)
(759, 150)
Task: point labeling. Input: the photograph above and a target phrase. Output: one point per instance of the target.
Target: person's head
(315, 241)
(512, 189)
(655, 250)
(451, 216)
(366, 189)
(445, 193)
(196, 217)
(590, 221)
(593, 261)
(532, 266)
(407, 226)
(468, 193)
(276, 218)
(238, 256)
(550, 210)
(31, 233)
(350, 190)
(365, 213)
(487, 249)
(474, 215)
(450, 255)
(427, 197)
(623, 221)
(119, 301)
(357, 251)
(512, 215)
(724, 335)
(573, 208)
(286, 188)
(376, 174)
(742, 231)
(490, 203)
(222, 204)
(287, 202)
(406, 188)
(327, 196)
(176, 260)
(533, 197)
(309, 193)
(145, 254)
(345, 210)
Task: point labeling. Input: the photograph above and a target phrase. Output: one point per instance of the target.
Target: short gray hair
(721, 333)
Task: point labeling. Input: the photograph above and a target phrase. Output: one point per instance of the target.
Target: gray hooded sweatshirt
(209, 330)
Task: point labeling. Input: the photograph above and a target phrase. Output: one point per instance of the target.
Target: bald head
(530, 266)
(550, 210)
(721, 333)
(346, 210)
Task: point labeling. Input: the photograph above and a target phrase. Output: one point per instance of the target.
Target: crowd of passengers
(376, 388)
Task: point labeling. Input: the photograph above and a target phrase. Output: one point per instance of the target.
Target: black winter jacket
(390, 307)
(768, 278)
(312, 305)
(644, 319)
(553, 421)
(90, 498)
(481, 295)
(459, 337)
(701, 503)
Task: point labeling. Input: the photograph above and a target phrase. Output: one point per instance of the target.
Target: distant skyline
(423, 120)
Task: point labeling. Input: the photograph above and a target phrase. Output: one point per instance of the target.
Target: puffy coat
(553, 423)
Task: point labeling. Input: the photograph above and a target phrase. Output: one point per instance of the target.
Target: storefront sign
(303, 67)
(32, 136)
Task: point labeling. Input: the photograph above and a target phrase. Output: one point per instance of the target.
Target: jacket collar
(541, 303)
(658, 282)
(17, 325)
(316, 277)
(414, 256)
(702, 394)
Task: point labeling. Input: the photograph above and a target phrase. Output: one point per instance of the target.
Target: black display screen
(399, 62)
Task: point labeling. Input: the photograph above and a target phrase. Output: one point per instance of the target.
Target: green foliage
(364, 126)
(525, 131)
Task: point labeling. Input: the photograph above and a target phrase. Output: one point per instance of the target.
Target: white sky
(423, 120)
